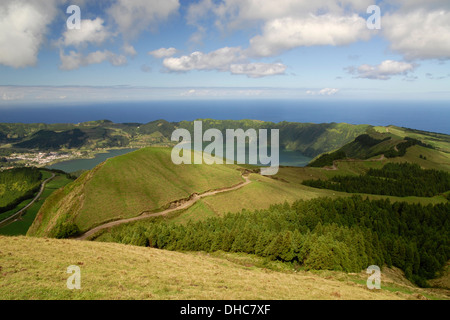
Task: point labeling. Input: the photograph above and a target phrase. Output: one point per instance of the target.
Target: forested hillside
(346, 234)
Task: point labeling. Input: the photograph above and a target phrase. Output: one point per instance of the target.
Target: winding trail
(194, 198)
(15, 216)
(335, 162)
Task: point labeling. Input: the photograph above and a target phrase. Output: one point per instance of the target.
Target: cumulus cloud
(383, 71)
(23, 26)
(163, 53)
(287, 33)
(420, 33)
(220, 59)
(287, 24)
(228, 59)
(134, 16)
(75, 60)
(258, 70)
(323, 92)
(236, 14)
(91, 32)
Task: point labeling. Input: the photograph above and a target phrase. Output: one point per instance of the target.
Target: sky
(223, 49)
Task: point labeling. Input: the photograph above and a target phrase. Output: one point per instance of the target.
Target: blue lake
(287, 158)
(88, 164)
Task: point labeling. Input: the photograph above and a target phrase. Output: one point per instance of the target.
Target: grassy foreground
(35, 268)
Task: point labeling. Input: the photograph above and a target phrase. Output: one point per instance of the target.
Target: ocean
(423, 115)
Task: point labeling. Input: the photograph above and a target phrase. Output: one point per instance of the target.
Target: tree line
(394, 179)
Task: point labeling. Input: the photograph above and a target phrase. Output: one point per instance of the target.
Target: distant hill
(393, 142)
(310, 139)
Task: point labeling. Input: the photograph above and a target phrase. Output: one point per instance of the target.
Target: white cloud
(163, 53)
(383, 71)
(323, 92)
(420, 33)
(76, 60)
(23, 26)
(134, 16)
(287, 33)
(239, 14)
(286, 24)
(12, 97)
(228, 59)
(220, 59)
(258, 70)
(221, 92)
(92, 31)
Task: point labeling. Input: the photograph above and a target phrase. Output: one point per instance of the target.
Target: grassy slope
(126, 186)
(34, 268)
(437, 140)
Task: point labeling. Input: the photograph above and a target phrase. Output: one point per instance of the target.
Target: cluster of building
(41, 158)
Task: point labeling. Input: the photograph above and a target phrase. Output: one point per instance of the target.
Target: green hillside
(126, 186)
(34, 268)
(390, 142)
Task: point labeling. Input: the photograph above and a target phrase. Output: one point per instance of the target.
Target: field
(34, 268)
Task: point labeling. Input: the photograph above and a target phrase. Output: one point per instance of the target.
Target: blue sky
(205, 49)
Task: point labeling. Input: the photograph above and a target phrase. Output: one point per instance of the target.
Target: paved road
(183, 206)
(19, 213)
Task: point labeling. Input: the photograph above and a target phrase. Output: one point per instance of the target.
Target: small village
(36, 159)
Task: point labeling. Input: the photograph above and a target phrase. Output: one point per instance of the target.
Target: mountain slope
(34, 268)
(126, 186)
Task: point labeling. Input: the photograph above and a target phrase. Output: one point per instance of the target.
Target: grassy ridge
(390, 142)
(34, 268)
(126, 186)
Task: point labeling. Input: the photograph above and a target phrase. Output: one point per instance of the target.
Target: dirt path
(17, 215)
(335, 167)
(183, 206)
